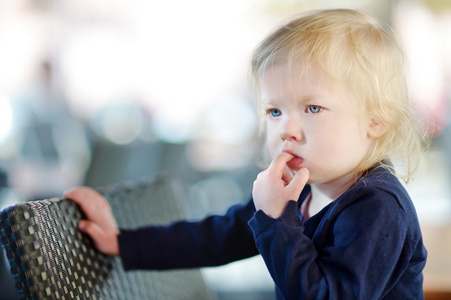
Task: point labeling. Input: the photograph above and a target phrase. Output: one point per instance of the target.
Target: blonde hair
(361, 52)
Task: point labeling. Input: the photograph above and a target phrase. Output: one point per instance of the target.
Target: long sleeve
(365, 246)
(216, 240)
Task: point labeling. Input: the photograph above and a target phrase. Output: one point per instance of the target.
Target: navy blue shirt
(366, 244)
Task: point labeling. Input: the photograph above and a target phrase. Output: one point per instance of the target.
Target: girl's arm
(216, 240)
(359, 253)
(213, 241)
(363, 246)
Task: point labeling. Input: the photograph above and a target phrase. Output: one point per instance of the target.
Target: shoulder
(379, 188)
(378, 199)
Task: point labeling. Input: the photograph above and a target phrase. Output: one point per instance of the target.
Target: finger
(299, 181)
(78, 195)
(287, 175)
(91, 229)
(90, 201)
(81, 194)
(279, 163)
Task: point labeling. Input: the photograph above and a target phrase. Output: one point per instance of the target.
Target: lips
(295, 163)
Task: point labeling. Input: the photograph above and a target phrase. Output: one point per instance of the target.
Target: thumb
(299, 181)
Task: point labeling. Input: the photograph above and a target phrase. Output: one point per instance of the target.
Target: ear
(376, 129)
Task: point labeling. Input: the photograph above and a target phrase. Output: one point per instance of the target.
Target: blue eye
(314, 109)
(274, 112)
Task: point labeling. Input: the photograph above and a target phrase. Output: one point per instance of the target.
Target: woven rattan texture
(51, 259)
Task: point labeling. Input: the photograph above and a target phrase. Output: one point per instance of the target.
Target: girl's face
(314, 120)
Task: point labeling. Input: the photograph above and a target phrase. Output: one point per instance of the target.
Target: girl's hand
(100, 224)
(274, 187)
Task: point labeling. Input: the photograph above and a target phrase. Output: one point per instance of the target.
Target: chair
(50, 258)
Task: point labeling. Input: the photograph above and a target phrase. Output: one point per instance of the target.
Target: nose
(291, 130)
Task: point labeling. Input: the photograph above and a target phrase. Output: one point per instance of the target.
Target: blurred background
(95, 92)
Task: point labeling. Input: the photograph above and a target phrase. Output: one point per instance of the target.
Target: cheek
(349, 139)
(273, 143)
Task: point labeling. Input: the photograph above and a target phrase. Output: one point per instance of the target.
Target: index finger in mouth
(280, 162)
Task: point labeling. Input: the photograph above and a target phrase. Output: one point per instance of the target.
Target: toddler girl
(329, 215)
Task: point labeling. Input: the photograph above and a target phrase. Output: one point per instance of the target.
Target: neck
(317, 202)
(331, 190)
(324, 193)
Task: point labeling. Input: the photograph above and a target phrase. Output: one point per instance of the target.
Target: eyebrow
(299, 100)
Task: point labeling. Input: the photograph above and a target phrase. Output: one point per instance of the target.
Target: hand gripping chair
(51, 259)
